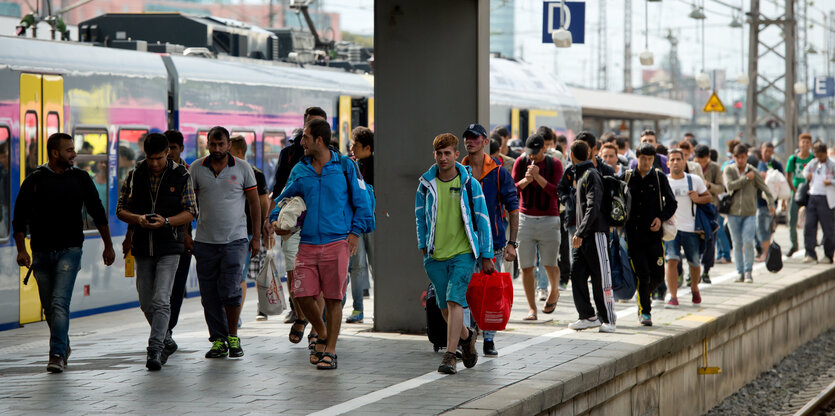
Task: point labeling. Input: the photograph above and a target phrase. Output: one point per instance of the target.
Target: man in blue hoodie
(499, 195)
(453, 230)
(338, 212)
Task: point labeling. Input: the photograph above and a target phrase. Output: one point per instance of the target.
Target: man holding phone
(158, 199)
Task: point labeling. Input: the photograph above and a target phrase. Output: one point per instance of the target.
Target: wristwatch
(166, 222)
(513, 243)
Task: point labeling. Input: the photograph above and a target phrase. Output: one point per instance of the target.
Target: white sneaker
(584, 324)
(609, 328)
(808, 260)
(541, 294)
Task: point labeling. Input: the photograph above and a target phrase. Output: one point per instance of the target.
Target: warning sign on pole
(714, 105)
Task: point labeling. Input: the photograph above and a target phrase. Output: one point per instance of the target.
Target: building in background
(502, 28)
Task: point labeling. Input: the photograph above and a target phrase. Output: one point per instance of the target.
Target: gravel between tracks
(772, 391)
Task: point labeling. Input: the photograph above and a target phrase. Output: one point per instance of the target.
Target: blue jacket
(499, 192)
(330, 215)
(426, 208)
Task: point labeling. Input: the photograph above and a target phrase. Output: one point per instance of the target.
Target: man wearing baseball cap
(500, 195)
(537, 176)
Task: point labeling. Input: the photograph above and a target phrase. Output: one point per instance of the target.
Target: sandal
(316, 356)
(297, 334)
(552, 306)
(530, 317)
(327, 365)
(311, 340)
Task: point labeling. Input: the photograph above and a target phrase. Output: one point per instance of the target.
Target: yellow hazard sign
(714, 105)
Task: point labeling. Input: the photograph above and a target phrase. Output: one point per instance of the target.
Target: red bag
(490, 297)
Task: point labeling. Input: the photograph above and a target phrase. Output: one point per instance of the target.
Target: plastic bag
(778, 184)
(270, 292)
(490, 297)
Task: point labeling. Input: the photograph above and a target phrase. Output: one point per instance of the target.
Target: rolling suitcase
(435, 323)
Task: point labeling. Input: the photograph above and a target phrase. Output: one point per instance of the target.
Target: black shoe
(169, 346)
(163, 357)
(791, 251)
(154, 362)
(365, 293)
(56, 364)
(706, 278)
(490, 349)
(235, 349)
(469, 354)
(219, 349)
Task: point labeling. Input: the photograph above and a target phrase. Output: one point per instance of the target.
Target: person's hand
(279, 231)
(158, 222)
(750, 175)
(509, 253)
(809, 177)
(827, 182)
(108, 255)
(255, 246)
(268, 228)
(125, 247)
(577, 241)
(533, 170)
(771, 210)
(353, 243)
(269, 241)
(188, 244)
(655, 225)
(693, 195)
(23, 259)
(487, 266)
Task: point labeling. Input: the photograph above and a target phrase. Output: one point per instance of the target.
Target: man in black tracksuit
(652, 203)
(590, 247)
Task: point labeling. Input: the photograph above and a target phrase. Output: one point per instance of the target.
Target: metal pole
(789, 28)
(806, 61)
(714, 124)
(750, 135)
(627, 46)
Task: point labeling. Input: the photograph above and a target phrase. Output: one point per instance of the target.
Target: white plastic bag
(778, 184)
(669, 229)
(270, 293)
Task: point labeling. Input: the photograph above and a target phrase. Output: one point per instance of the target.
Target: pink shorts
(321, 269)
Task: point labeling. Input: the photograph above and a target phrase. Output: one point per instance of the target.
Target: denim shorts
(450, 277)
(686, 240)
(764, 219)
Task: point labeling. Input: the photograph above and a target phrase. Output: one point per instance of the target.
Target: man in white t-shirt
(689, 191)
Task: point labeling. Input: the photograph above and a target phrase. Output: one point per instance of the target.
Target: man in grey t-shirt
(223, 184)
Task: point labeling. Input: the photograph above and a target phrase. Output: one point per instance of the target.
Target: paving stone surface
(378, 374)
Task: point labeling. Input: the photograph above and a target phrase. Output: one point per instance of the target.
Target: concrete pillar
(431, 77)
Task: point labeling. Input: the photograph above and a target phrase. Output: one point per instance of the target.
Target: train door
(353, 112)
(41, 114)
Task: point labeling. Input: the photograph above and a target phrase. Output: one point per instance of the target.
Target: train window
(274, 141)
(251, 149)
(91, 150)
(130, 151)
(202, 146)
(5, 183)
(30, 139)
(53, 123)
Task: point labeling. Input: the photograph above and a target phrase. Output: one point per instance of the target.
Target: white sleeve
(698, 184)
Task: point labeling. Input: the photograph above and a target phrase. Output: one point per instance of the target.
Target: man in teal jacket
(453, 230)
(339, 210)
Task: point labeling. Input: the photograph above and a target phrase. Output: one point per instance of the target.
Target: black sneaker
(490, 349)
(791, 251)
(469, 354)
(706, 278)
(169, 346)
(235, 349)
(154, 363)
(219, 349)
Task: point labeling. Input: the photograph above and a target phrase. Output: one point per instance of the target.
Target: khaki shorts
(290, 248)
(542, 233)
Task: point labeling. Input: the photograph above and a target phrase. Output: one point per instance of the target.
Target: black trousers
(592, 260)
(647, 258)
(565, 255)
(708, 255)
(178, 292)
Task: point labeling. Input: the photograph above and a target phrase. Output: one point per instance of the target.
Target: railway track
(817, 399)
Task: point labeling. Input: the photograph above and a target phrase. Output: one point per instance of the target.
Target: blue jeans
(723, 245)
(539, 274)
(743, 229)
(219, 268)
(55, 272)
(359, 270)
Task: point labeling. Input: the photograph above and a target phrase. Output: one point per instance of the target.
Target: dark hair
(645, 149)
(561, 138)
(701, 150)
(547, 134)
(501, 131)
(127, 153)
(714, 155)
(495, 145)
(314, 111)
(319, 128)
(661, 149)
(580, 150)
(819, 147)
(53, 141)
(587, 137)
(732, 144)
(363, 136)
(648, 132)
(767, 145)
(740, 149)
(621, 141)
(155, 143)
(217, 133)
(674, 150)
(495, 136)
(685, 145)
(605, 137)
(174, 136)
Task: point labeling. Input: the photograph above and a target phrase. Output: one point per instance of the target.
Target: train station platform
(543, 367)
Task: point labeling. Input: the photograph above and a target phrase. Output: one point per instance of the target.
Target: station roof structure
(617, 105)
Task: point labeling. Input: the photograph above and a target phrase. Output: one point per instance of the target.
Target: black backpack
(617, 200)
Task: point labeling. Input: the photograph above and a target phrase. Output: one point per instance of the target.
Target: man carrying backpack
(338, 213)
(591, 252)
(689, 190)
(499, 194)
(652, 203)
